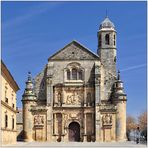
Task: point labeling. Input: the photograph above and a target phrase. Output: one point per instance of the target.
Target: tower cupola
(29, 90)
(119, 88)
(107, 24)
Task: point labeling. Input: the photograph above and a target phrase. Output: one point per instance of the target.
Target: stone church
(78, 96)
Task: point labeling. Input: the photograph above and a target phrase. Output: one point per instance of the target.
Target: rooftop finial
(29, 76)
(118, 75)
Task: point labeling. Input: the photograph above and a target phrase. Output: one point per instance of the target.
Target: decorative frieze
(107, 108)
(38, 109)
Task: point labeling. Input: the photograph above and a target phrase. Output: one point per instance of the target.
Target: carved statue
(58, 98)
(69, 99)
(88, 98)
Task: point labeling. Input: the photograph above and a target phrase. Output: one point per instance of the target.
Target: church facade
(78, 96)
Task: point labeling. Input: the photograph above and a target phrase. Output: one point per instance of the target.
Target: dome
(107, 24)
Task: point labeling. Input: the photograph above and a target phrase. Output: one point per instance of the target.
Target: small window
(6, 100)
(6, 121)
(107, 39)
(114, 39)
(115, 59)
(13, 105)
(68, 74)
(80, 75)
(74, 74)
(12, 122)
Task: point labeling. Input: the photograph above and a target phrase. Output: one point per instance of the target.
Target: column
(49, 91)
(63, 101)
(97, 82)
(97, 125)
(121, 121)
(93, 136)
(84, 95)
(97, 93)
(85, 129)
(92, 123)
(49, 123)
(54, 123)
(63, 127)
(27, 122)
(70, 74)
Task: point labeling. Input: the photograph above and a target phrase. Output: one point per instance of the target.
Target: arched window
(12, 122)
(74, 74)
(114, 39)
(6, 121)
(100, 40)
(68, 74)
(80, 75)
(107, 39)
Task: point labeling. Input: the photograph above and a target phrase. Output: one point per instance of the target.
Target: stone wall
(8, 136)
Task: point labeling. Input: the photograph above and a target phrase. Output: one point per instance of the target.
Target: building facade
(78, 96)
(8, 106)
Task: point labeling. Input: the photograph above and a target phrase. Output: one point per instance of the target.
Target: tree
(142, 121)
(130, 125)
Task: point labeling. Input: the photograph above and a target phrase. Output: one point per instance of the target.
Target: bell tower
(107, 45)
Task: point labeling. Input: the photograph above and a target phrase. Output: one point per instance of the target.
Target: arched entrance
(74, 132)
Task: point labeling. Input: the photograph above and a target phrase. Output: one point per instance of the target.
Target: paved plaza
(74, 145)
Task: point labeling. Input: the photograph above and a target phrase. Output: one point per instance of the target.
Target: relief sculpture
(75, 98)
(107, 119)
(38, 120)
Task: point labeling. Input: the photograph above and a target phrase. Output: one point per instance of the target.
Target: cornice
(7, 129)
(7, 75)
(7, 106)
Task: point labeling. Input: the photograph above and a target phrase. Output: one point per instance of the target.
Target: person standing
(138, 135)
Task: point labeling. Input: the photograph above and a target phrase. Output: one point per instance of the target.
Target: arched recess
(74, 132)
(107, 39)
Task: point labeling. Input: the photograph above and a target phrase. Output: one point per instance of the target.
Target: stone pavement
(75, 145)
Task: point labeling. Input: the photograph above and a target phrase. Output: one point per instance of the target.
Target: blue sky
(33, 31)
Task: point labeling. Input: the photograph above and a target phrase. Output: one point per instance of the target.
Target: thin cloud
(134, 67)
(33, 11)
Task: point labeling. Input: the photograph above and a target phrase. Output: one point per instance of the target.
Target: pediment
(74, 51)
